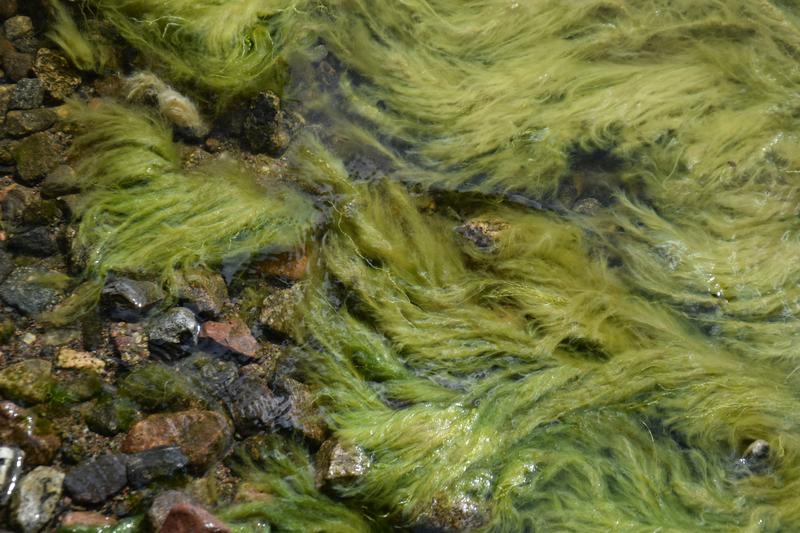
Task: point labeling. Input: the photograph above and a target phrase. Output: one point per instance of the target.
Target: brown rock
(203, 436)
(18, 427)
(188, 518)
(24, 122)
(74, 359)
(339, 462)
(163, 504)
(8, 8)
(17, 65)
(232, 335)
(204, 293)
(38, 154)
(130, 342)
(292, 267)
(55, 73)
(86, 519)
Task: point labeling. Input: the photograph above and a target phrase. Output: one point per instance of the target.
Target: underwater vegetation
(565, 300)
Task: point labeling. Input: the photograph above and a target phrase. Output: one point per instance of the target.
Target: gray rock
(6, 265)
(97, 480)
(173, 334)
(28, 94)
(214, 376)
(204, 293)
(22, 123)
(155, 464)
(61, 181)
(34, 503)
(261, 125)
(254, 407)
(24, 290)
(129, 300)
(11, 460)
(336, 462)
(18, 28)
(162, 505)
(40, 241)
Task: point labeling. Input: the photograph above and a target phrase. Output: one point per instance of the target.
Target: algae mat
(557, 285)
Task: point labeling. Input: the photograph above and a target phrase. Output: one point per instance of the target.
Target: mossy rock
(28, 381)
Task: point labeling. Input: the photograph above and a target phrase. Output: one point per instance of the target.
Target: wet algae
(616, 328)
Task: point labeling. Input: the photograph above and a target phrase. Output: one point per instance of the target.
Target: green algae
(601, 369)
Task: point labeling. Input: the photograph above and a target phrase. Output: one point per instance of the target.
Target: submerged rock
(203, 436)
(28, 381)
(173, 334)
(278, 309)
(158, 387)
(17, 65)
(27, 94)
(204, 293)
(112, 415)
(261, 126)
(40, 241)
(97, 480)
(37, 154)
(11, 460)
(34, 503)
(451, 514)
(254, 407)
(189, 518)
(129, 300)
(8, 8)
(19, 427)
(302, 415)
(231, 336)
(155, 464)
(336, 462)
(19, 30)
(22, 123)
(55, 73)
(129, 342)
(25, 290)
(86, 520)
(61, 181)
(162, 505)
(78, 360)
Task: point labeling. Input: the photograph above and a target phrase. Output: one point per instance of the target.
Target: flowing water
(554, 247)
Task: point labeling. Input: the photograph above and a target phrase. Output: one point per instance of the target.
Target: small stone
(291, 267)
(188, 518)
(254, 407)
(162, 505)
(446, 515)
(97, 480)
(758, 449)
(212, 374)
(129, 342)
(11, 460)
(77, 360)
(34, 503)
(28, 338)
(173, 334)
(28, 94)
(18, 28)
(482, 233)
(25, 291)
(587, 206)
(158, 387)
(129, 300)
(56, 74)
(62, 181)
(17, 65)
(302, 415)
(40, 241)
(155, 464)
(232, 336)
(6, 92)
(22, 123)
(204, 293)
(15, 199)
(338, 462)
(203, 436)
(86, 520)
(37, 155)
(28, 381)
(261, 125)
(112, 415)
(278, 309)
(18, 427)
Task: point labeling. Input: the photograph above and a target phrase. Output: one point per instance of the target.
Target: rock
(6, 91)
(18, 427)
(188, 518)
(445, 515)
(6, 148)
(17, 65)
(97, 480)
(25, 290)
(76, 360)
(291, 267)
(27, 94)
(19, 30)
(62, 181)
(112, 415)
(157, 387)
(86, 521)
(302, 415)
(173, 334)
(15, 199)
(39, 241)
(254, 407)
(261, 126)
(155, 464)
(129, 300)
(337, 462)
(278, 309)
(28, 381)
(37, 155)
(56, 74)
(8, 8)
(75, 387)
(34, 503)
(129, 342)
(204, 293)
(162, 505)
(232, 336)
(6, 265)
(482, 233)
(11, 460)
(20, 123)
(210, 373)
(203, 436)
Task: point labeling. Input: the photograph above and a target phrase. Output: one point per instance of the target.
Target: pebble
(129, 342)
(302, 415)
(18, 29)
(40, 241)
(34, 503)
(56, 74)
(22, 123)
(254, 407)
(204, 436)
(78, 360)
(278, 309)
(204, 293)
(111, 415)
(162, 505)
(17, 65)
(27, 94)
(37, 154)
(19, 428)
(61, 181)
(97, 480)
(27, 381)
(173, 334)
(11, 460)
(291, 267)
(155, 464)
(128, 300)
(232, 336)
(189, 518)
(338, 462)
(86, 520)
(23, 290)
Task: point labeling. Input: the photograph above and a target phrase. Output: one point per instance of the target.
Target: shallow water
(554, 285)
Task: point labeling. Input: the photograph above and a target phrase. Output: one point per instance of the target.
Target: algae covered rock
(337, 462)
(261, 125)
(27, 289)
(157, 387)
(34, 504)
(203, 292)
(55, 73)
(39, 153)
(27, 381)
(111, 415)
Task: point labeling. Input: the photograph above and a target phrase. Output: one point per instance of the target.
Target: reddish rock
(86, 519)
(188, 518)
(202, 435)
(18, 427)
(163, 504)
(292, 267)
(232, 335)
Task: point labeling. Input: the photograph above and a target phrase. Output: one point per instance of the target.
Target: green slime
(594, 369)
